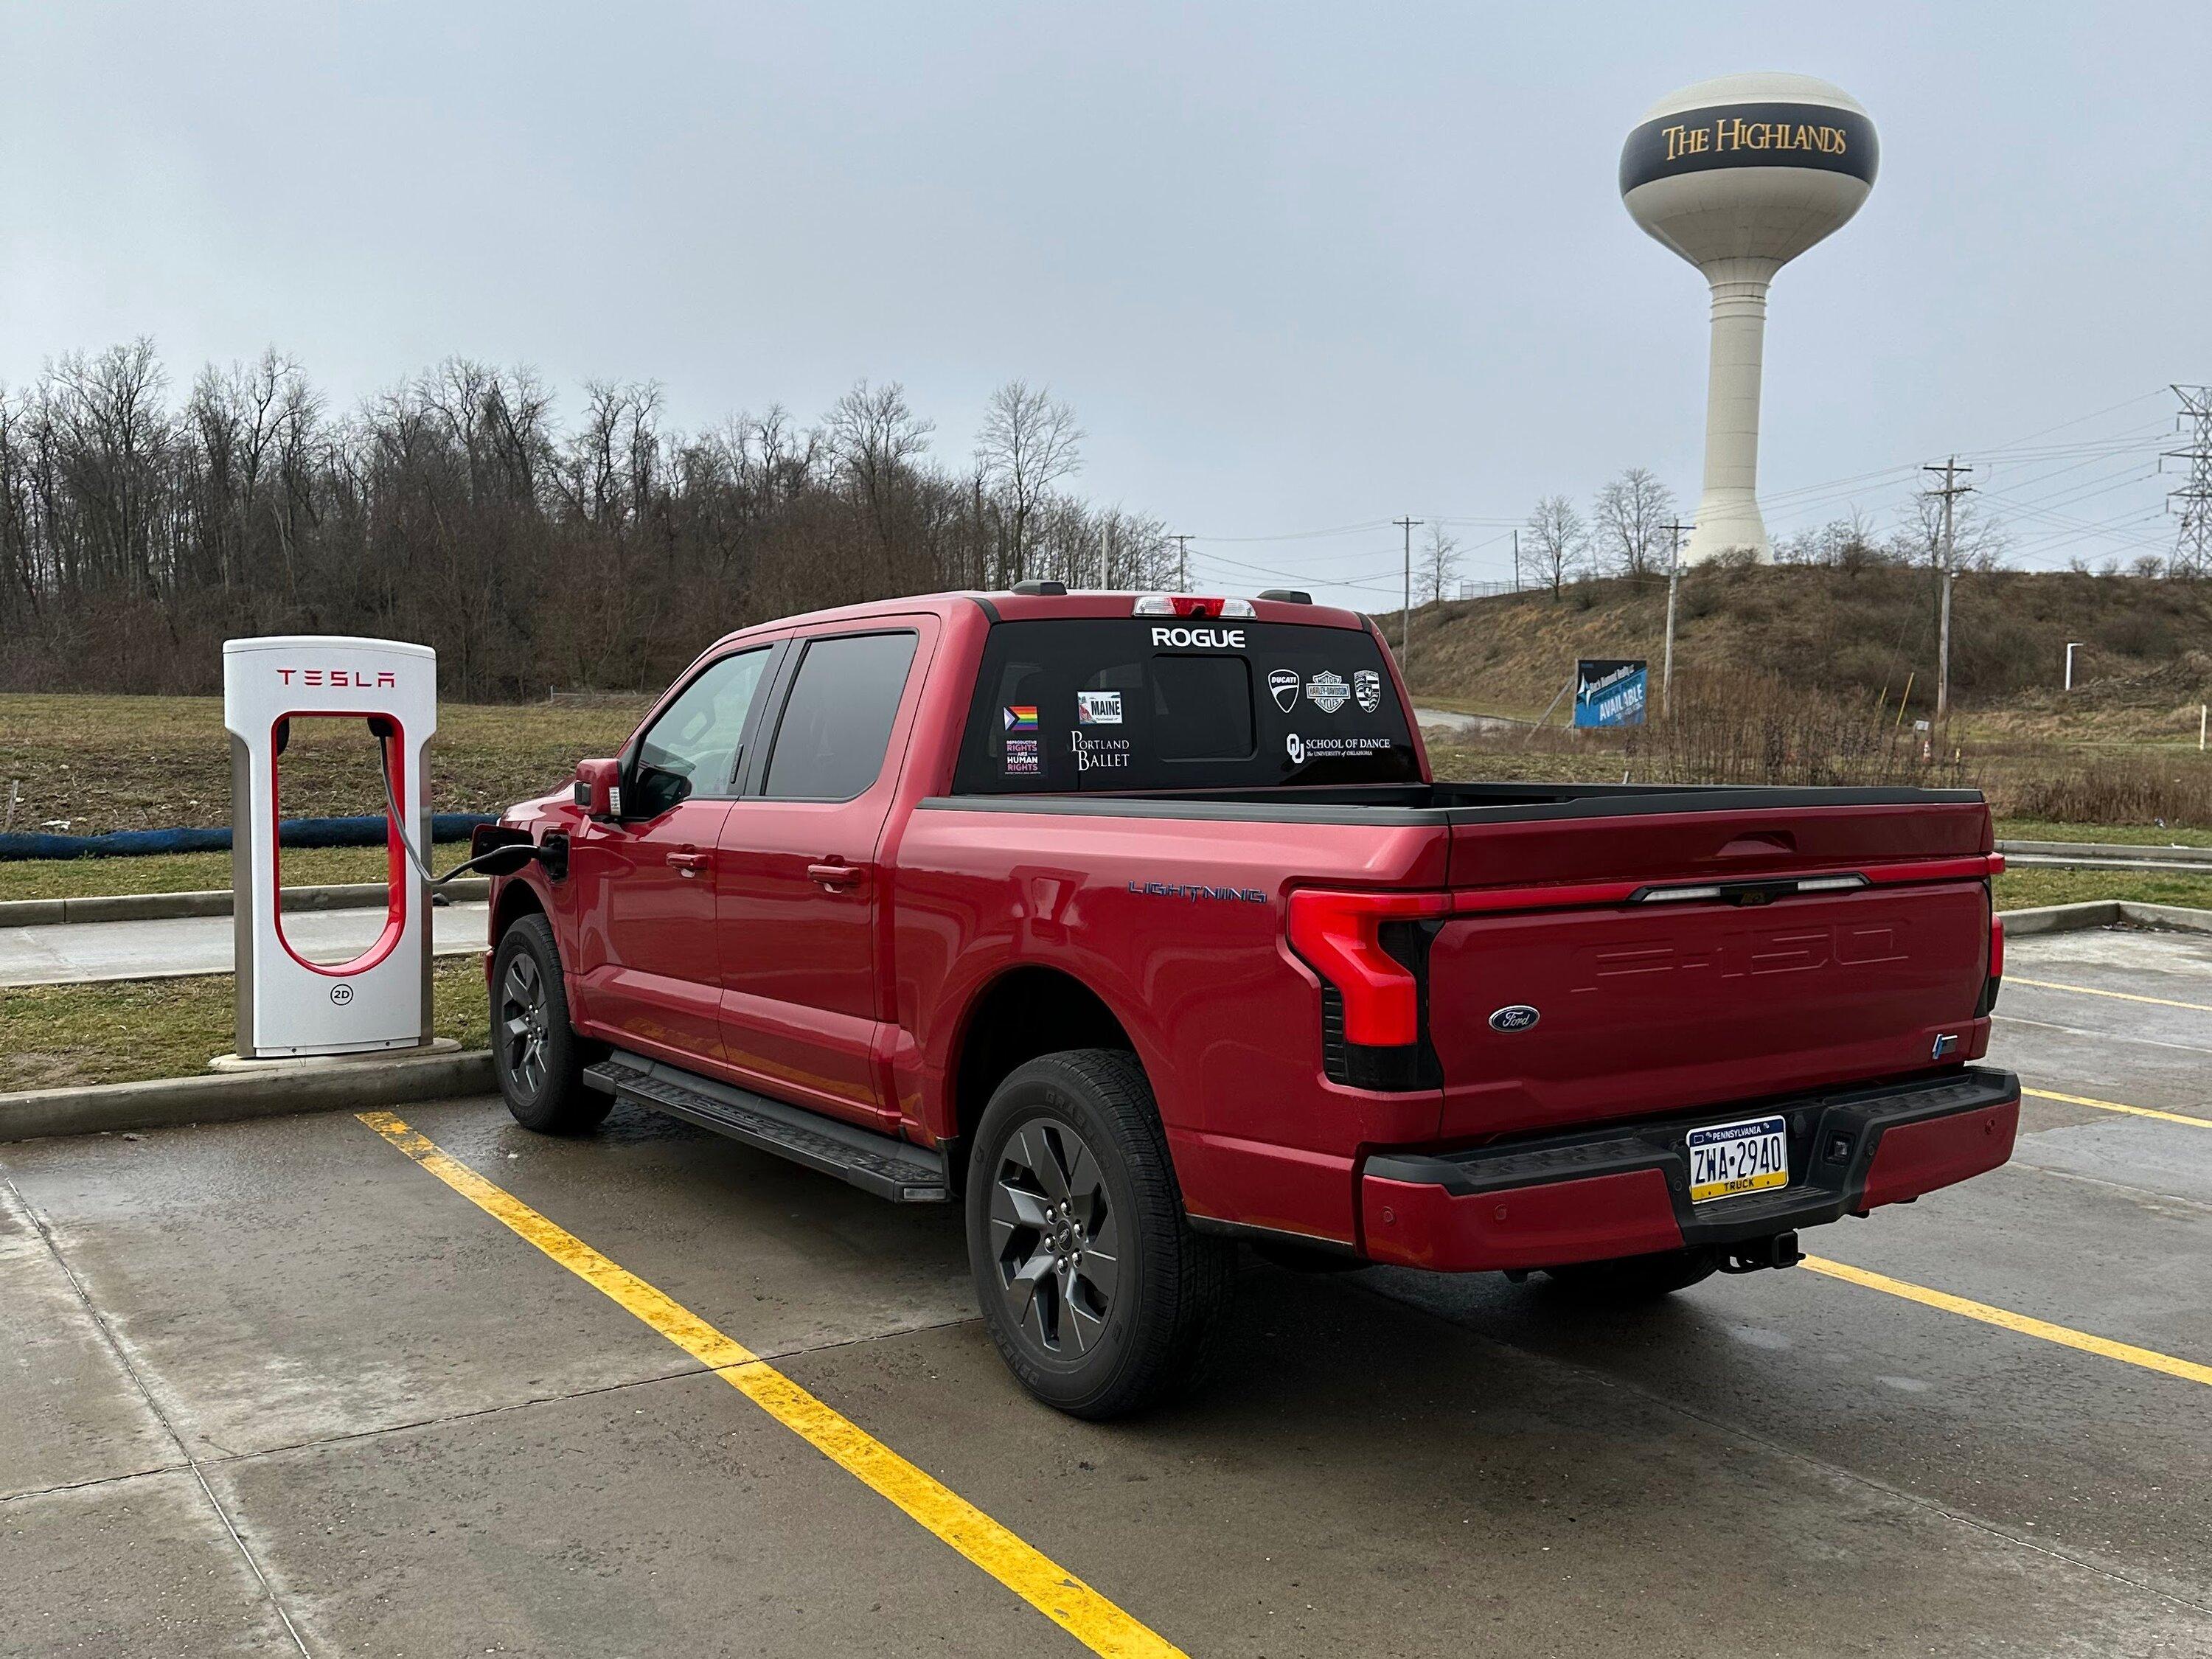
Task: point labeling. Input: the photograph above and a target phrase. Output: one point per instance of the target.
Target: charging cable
(399, 823)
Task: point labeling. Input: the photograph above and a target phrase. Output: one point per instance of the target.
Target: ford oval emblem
(1519, 1017)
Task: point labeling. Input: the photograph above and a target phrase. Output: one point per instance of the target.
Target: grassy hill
(2145, 666)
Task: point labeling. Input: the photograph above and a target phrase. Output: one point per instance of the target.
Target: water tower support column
(1728, 510)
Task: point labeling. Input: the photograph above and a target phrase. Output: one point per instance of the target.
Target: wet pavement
(68, 952)
(272, 1387)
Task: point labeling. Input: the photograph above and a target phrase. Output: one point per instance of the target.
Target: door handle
(688, 864)
(833, 876)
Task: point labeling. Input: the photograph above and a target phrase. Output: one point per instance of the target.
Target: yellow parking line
(1050, 1588)
(2115, 1106)
(2094, 991)
(2149, 1358)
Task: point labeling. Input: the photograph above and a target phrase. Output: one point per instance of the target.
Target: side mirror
(599, 789)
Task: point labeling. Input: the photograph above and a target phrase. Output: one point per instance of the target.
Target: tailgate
(1705, 959)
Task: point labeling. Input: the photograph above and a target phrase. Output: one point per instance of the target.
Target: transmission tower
(2192, 542)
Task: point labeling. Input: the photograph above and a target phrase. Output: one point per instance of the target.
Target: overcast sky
(1297, 268)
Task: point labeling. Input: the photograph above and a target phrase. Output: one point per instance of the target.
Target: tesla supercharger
(388, 692)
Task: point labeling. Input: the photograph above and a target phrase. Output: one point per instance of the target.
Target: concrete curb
(163, 907)
(337, 1085)
(2102, 912)
(2107, 852)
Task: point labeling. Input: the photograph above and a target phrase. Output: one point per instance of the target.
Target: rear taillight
(1995, 981)
(1340, 937)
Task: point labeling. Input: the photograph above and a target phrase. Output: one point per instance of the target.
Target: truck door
(646, 882)
(799, 884)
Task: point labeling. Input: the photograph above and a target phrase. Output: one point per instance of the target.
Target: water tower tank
(1740, 176)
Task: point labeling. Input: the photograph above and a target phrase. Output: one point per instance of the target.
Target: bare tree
(1557, 542)
(1028, 444)
(135, 534)
(1438, 568)
(876, 443)
(1627, 521)
(1979, 541)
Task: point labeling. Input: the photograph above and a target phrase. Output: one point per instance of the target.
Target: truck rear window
(1150, 703)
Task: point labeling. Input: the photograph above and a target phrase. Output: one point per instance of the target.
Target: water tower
(1740, 176)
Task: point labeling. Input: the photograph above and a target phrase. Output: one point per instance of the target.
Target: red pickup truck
(1136, 925)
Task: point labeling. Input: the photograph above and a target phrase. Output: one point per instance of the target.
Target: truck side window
(691, 751)
(836, 724)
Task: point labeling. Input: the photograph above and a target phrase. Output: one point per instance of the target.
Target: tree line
(138, 529)
(1627, 531)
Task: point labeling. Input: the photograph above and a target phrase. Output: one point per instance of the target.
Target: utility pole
(2192, 542)
(1406, 619)
(1182, 562)
(1674, 581)
(2072, 646)
(1951, 491)
(1517, 558)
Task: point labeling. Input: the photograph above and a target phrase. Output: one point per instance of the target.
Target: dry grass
(1856, 634)
(1724, 727)
(54, 1036)
(2024, 890)
(2140, 789)
(98, 763)
(186, 872)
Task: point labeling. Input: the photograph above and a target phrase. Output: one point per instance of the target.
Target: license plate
(1727, 1159)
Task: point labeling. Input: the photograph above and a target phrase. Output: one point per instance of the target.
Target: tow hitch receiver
(1754, 1254)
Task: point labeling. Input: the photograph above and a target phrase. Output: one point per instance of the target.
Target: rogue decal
(1218, 639)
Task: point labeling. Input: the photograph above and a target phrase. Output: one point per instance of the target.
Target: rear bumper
(1625, 1191)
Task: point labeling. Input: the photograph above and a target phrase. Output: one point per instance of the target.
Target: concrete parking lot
(326, 1386)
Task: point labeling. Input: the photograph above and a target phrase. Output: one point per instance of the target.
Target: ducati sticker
(1283, 686)
(1367, 686)
(1327, 692)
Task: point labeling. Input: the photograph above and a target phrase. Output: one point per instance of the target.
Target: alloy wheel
(522, 1020)
(1058, 1241)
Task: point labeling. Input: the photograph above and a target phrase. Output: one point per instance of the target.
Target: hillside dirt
(2144, 666)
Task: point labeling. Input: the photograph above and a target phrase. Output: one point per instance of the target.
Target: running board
(879, 1163)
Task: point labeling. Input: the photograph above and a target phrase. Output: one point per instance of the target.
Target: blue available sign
(1609, 692)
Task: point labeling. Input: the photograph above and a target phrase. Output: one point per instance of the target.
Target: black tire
(1070, 1172)
(1629, 1278)
(538, 1057)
